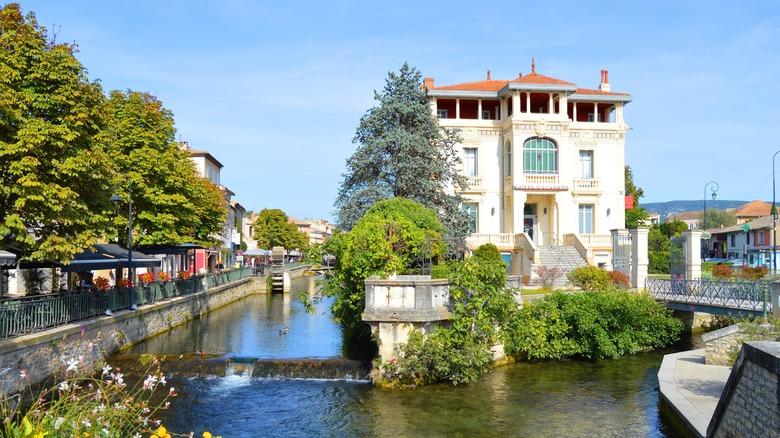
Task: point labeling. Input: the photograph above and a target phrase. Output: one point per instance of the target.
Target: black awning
(181, 248)
(109, 256)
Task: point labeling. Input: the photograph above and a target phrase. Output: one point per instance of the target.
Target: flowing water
(570, 398)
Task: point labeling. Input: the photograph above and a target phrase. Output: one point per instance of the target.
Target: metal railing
(731, 294)
(20, 316)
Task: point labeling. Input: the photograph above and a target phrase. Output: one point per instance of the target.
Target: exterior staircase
(565, 257)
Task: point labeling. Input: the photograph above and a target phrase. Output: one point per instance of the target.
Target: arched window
(540, 155)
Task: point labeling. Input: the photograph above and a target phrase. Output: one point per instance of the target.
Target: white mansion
(545, 164)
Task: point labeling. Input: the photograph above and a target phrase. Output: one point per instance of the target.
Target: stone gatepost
(775, 299)
(397, 306)
(639, 259)
(692, 254)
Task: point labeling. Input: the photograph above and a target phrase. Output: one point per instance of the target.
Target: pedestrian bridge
(740, 298)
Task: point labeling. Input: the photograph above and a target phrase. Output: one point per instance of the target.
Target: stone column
(692, 254)
(775, 297)
(639, 259)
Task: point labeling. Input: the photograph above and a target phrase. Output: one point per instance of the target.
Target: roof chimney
(428, 83)
(488, 75)
(184, 145)
(604, 86)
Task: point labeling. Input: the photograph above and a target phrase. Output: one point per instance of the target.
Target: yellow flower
(162, 432)
(207, 435)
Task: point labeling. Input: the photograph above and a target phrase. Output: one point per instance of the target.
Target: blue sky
(275, 90)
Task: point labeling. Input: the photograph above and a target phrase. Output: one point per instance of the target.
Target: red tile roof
(584, 91)
(486, 85)
(536, 78)
(754, 209)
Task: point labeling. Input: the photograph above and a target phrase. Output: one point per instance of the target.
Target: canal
(569, 398)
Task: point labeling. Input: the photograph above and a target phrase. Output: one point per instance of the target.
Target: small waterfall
(240, 366)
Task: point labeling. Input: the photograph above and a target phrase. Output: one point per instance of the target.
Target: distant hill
(677, 207)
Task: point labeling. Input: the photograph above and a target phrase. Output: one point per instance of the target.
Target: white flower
(150, 382)
(106, 369)
(162, 380)
(86, 422)
(137, 435)
(58, 422)
(64, 386)
(73, 365)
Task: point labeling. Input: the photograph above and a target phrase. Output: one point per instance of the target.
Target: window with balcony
(586, 219)
(470, 210)
(470, 162)
(586, 164)
(540, 155)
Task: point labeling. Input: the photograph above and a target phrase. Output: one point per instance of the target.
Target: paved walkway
(692, 388)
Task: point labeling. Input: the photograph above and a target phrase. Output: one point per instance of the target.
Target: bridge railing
(753, 295)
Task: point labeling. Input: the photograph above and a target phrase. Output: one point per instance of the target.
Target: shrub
(589, 278)
(619, 279)
(721, 271)
(592, 324)
(440, 271)
(751, 273)
(548, 275)
(659, 262)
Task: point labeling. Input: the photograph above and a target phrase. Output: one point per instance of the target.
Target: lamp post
(714, 195)
(116, 199)
(661, 210)
(774, 218)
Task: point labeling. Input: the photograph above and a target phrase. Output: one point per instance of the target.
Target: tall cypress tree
(403, 152)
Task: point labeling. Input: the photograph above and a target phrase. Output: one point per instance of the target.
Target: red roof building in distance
(544, 159)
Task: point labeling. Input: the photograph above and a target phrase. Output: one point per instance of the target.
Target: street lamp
(661, 210)
(116, 199)
(774, 219)
(714, 195)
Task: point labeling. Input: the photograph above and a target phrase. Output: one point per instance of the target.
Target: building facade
(544, 160)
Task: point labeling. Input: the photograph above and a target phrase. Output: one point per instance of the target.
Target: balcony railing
(535, 181)
(474, 182)
(586, 185)
(498, 239)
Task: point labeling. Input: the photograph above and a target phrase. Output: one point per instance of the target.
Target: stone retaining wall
(720, 344)
(750, 404)
(90, 341)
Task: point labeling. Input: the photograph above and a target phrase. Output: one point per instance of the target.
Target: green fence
(20, 316)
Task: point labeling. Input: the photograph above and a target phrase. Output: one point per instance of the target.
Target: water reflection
(569, 398)
(251, 327)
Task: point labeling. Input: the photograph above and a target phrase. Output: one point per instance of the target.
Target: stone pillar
(639, 259)
(775, 299)
(692, 254)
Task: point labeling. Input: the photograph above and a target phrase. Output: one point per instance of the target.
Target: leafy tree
(657, 240)
(404, 153)
(673, 228)
(385, 240)
(271, 228)
(638, 215)
(717, 218)
(171, 203)
(54, 177)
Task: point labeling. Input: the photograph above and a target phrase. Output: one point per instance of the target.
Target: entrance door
(529, 227)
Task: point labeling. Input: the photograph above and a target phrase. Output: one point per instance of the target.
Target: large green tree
(717, 218)
(171, 204)
(392, 234)
(272, 228)
(403, 152)
(54, 177)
